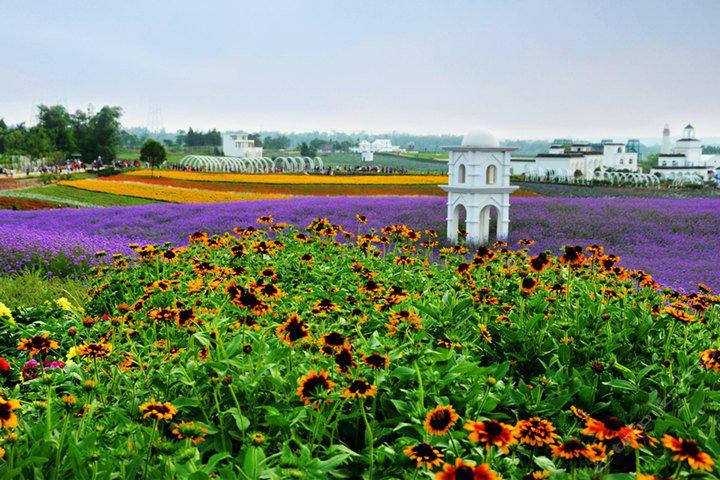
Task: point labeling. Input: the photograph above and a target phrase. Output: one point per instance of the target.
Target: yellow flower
(290, 179)
(165, 194)
(64, 303)
(5, 313)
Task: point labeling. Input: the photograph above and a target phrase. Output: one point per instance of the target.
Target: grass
(96, 198)
(33, 288)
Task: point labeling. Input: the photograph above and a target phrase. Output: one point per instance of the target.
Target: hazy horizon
(524, 70)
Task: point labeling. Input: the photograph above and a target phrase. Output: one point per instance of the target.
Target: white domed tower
(478, 181)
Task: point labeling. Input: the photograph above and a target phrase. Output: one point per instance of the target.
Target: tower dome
(480, 139)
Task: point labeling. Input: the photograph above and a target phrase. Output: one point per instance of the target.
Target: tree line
(60, 134)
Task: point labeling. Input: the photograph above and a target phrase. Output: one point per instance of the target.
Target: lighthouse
(665, 149)
(478, 182)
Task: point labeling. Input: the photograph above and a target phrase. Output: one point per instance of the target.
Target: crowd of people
(62, 168)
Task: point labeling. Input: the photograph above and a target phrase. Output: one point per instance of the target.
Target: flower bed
(673, 239)
(279, 353)
(165, 194)
(296, 179)
(24, 203)
(301, 190)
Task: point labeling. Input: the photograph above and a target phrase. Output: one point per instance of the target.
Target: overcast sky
(527, 69)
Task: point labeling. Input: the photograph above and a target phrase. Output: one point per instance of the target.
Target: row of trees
(59, 134)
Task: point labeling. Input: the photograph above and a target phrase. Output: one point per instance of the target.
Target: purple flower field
(675, 240)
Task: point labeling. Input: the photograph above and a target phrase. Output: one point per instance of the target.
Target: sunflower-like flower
(441, 419)
(324, 306)
(425, 455)
(710, 359)
(527, 285)
(466, 471)
(536, 432)
(190, 430)
(569, 450)
(539, 263)
(94, 350)
(611, 428)
(159, 410)
(679, 314)
(333, 340)
(596, 452)
(361, 218)
(266, 219)
(37, 345)
(376, 361)
(8, 419)
(359, 388)
(293, 330)
(314, 385)
(688, 450)
(491, 432)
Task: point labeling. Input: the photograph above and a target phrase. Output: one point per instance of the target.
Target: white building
(237, 144)
(376, 146)
(478, 182)
(578, 160)
(686, 159)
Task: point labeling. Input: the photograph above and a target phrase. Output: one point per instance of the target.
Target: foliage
(276, 353)
(33, 288)
(308, 150)
(153, 153)
(196, 138)
(60, 134)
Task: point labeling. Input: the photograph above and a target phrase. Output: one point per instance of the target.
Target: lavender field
(676, 240)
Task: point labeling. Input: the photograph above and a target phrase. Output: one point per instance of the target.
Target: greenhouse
(251, 164)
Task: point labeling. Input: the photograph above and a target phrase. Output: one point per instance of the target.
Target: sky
(525, 69)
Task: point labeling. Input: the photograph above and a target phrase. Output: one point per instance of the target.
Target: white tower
(478, 181)
(665, 149)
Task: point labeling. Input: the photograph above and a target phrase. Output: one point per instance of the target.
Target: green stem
(371, 441)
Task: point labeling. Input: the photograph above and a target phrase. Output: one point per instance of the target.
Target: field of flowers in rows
(673, 239)
(296, 179)
(334, 352)
(165, 193)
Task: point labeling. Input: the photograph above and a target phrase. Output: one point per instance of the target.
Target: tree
(307, 150)
(97, 135)
(154, 153)
(57, 123)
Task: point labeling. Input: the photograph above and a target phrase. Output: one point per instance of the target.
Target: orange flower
(611, 428)
(7, 418)
(690, 451)
(569, 450)
(535, 432)
(466, 471)
(681, 315)
(313, 385)
(293, 330)
(39, 344)
(159, 410)
(596, 452)
(360, 389)
(441, 419)
(710, 359)
(424, 454)
(491, 432)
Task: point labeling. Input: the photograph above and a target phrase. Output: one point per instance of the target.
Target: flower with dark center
(360, 389)
(159, 410)
(425, 455)
(536, 432)
(376, 361)
(441, 419)
(688, 450)
(570, 450)
(313, 386)
(491, 432)
(293, 330)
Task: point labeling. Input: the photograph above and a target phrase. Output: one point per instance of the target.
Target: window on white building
(461, 174)
(490, 175)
